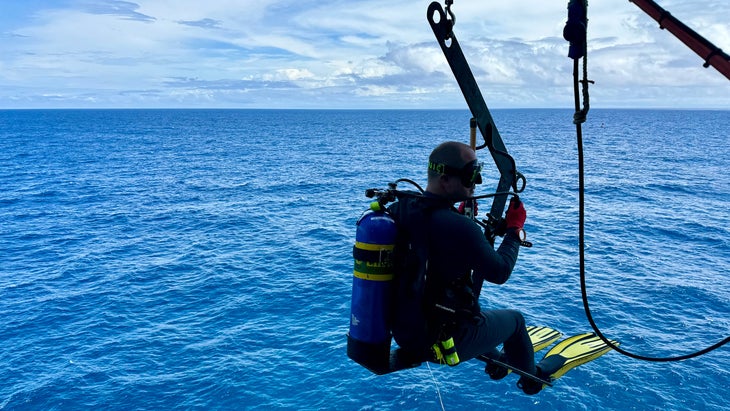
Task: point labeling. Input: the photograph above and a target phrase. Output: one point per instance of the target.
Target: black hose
(581, 237)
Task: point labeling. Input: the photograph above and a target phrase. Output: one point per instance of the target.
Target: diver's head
(453, 171)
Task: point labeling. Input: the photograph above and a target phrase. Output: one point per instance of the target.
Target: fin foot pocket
(496, 372)
(540, 336)
(531, 386)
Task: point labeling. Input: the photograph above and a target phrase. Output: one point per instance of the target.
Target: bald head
(452, 154)
(445, 165)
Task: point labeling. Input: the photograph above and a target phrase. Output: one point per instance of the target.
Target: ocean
(202, 259)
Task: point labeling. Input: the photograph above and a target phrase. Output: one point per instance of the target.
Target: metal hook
(451, 14)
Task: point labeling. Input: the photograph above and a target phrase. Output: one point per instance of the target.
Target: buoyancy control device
(390, 297)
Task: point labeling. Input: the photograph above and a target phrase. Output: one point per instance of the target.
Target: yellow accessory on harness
(445, 352)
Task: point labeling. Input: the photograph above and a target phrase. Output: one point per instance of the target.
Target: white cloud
(291, 74)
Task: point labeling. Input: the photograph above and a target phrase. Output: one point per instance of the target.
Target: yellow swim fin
(570, 353)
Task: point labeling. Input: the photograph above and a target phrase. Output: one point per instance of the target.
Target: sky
(353, 54)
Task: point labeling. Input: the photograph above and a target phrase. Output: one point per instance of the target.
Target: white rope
(435, 384)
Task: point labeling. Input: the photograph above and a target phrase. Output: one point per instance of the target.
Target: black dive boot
(496, 372)
(530, 386)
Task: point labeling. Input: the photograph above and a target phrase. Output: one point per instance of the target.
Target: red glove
(462, 205)
(516, 214)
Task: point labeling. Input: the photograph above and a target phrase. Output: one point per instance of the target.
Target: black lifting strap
(509, 176)
(575, 30)
(575, 33)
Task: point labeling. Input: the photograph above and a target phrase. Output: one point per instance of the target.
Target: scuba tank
(368, 342)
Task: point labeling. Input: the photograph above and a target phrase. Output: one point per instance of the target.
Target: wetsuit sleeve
(458, 246)
(490, 265)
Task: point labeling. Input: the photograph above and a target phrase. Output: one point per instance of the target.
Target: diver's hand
(462, 207)
(516, 214)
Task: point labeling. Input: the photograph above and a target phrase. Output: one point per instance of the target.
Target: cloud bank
(345, 54)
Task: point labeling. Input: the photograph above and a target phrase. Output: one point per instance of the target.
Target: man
(460, 259)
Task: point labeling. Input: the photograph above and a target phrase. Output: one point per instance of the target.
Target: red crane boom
(712, 54)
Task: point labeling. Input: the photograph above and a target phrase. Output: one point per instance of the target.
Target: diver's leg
(493, 328)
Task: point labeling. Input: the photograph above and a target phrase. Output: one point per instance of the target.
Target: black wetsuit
(460, 260)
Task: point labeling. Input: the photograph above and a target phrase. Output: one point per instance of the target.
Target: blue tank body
(369, 337)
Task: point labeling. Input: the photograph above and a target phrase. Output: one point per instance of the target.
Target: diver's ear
(445, 181)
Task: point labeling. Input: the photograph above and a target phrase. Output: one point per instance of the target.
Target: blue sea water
(201, 259)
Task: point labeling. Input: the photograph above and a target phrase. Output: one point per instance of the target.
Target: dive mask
(470, 174)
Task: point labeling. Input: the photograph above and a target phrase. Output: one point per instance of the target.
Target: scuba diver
(458, 259)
